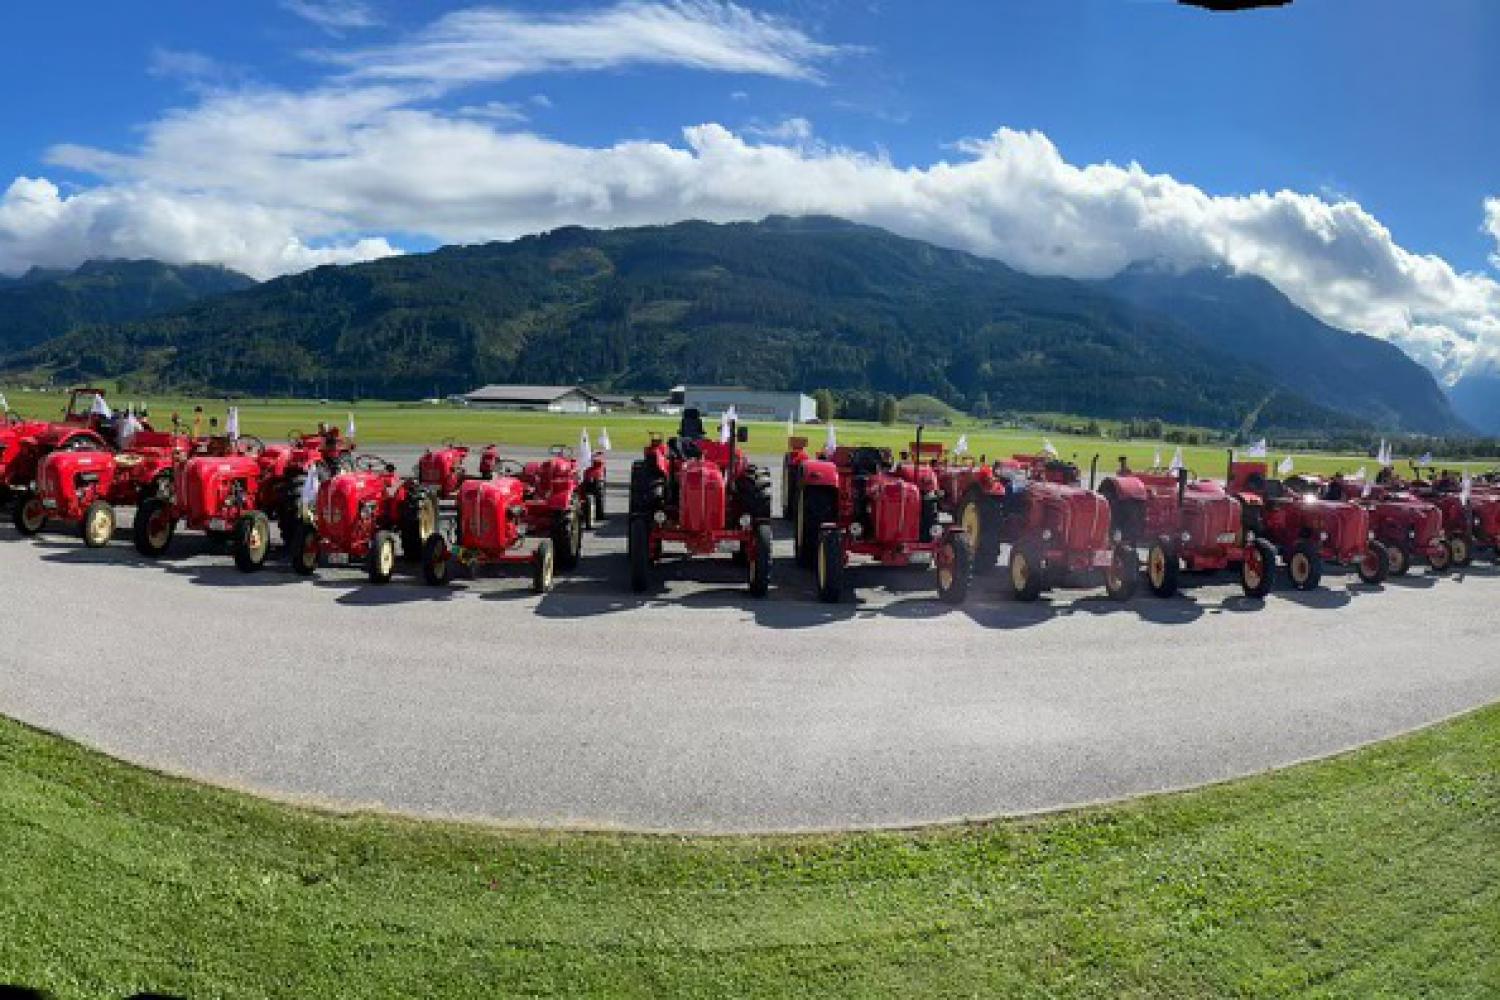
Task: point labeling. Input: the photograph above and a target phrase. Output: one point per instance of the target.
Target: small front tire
(1375, 564)
(542, 566)
(830, 565)
(758, 561)
(1162, 568)
(436, 560)
(98, 525)
(955, 568)
(1124, 573)
(381, 562)
(1258, 569)
(252, 541)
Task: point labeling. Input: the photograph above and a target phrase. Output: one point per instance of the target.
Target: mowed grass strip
(385, 423)
(1376, 873)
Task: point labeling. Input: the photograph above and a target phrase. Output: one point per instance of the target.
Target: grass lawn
(380, 423)
(1374, 873)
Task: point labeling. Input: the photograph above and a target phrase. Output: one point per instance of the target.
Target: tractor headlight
(937, 529)
(661, 517)
(1046, 534)
(856, 529)
(745, 521)
(1322, 536)
(1187, 536)
(1249, 537)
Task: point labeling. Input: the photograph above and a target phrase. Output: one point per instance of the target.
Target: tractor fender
(1123, 488)
(819, 472)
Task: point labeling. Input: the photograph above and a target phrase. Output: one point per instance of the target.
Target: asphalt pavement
(696, 707)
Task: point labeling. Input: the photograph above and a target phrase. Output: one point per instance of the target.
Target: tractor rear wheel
(955, 567)
(596, 495)
(567, 536)
(979, 516)
(639, 547)
(541, 567)
(815, 507)
(1375, 564)
(381, 562)
(758, 561)
(1124, 573)
(98, 525)
(1305, 566)
(419, 519)
(252, 541)
(436, 564)
(302, 548)
(1162, 566)
(154, 527)
(1400, 559)
(1462, 549)
(586, 510)
(1258, 568)
(1440, 560)
(1026, 572)
(830, 564)
(28, 514)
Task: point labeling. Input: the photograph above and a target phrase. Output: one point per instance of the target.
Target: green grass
(1375, 873)
(380, 423)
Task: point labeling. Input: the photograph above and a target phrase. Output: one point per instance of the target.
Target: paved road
(699, 708)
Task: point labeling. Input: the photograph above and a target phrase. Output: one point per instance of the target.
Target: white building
(552, 398)
(750, 404)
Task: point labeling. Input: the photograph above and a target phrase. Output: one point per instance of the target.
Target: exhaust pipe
(1093, 472)
(1182, 481)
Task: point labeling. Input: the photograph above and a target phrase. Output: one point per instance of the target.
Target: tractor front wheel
(1462, 549)
(1028, 575)
(816, 507)
(98, 525)
(1162, 566)
(955, 568)
(1440, 559)
(1305, 566)
(979, 516)
(596, 499)
(418, 522)
(28, 514)
(1375, 564)
(830, 560)
(1124, 573)
(758, 561)
(302, 547)
(381, 562)
(436, 564)
(639, 546)
(252, 541)
(567, 536)
(541, 567)
(1258, 568)
(1400, 559)
(154, 527)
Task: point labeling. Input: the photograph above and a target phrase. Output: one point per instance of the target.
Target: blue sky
(276, 135)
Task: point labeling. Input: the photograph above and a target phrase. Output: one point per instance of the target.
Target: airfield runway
(698, 708)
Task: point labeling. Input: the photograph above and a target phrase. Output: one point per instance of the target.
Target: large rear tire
(1440, 559)
(302, 548)
(758, 562)
(98, 525)
(1400, 559)
(815, 508)
(436, 560)
(155, 524)
(955, 568)
(979, 517)
(28, 514)
(418, 521)
(638, 543)
(830, 564)
(252, 541)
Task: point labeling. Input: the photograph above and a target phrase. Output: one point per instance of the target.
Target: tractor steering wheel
(294, 436)
(509, 467)
(561, 451)
(249, 444)
(365, 462)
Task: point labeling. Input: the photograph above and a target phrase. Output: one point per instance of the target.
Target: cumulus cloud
(1492, 225)
(472, 46)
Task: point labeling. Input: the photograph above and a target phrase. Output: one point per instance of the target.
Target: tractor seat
(865, 461)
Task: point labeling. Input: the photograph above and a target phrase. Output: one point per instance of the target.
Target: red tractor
(1308, 531)
(1186, 523)
(1409, 527)
(233, 493)
(857, 501)
(24, 443)
(1471, 524)
(1058, 531)
(86, 487)
(491, 530)
(358, 517)
(703, 495)
(441, 470)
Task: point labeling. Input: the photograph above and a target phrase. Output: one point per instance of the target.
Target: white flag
(1383, 456)
(585, 453)
(4, 406)
(309, 497)
(831, 440)
(1467, 489)
(350, 431)
(1362, 474)
(232, 424)
(129, 428)
(100, 408)
(1257, 450)
(1425, 459)
(1176, 460)
(1156, 459)
(604, 439)
(961, 446)
(1047, 447)
(1285, 468)
(1366, 491)
(726, 424)
(791, 426)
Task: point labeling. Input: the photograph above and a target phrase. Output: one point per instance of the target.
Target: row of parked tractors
(701, 495)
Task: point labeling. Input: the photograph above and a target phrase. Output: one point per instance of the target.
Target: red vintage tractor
(1186, 523)
(359, 516)
(857, 501)
(1307, 530)
(1410, 528)
(87, 486)
(1471, 522)
(491, 529)
(24, 443)
(442, 471)
(703, 495)
(1058, 530)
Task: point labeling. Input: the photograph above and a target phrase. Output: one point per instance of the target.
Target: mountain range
(786, 303)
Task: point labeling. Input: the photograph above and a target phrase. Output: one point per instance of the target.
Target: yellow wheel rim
(1020, 571)
(971, 523)
(99, 527)
(1299, 568)
(1158, 567)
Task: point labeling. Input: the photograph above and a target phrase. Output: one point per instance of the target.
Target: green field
(380, 423)
(1375, 873)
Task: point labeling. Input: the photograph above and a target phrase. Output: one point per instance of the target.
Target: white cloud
(478, 45)
(1492, 225)
(184, 64)
(334, 16)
